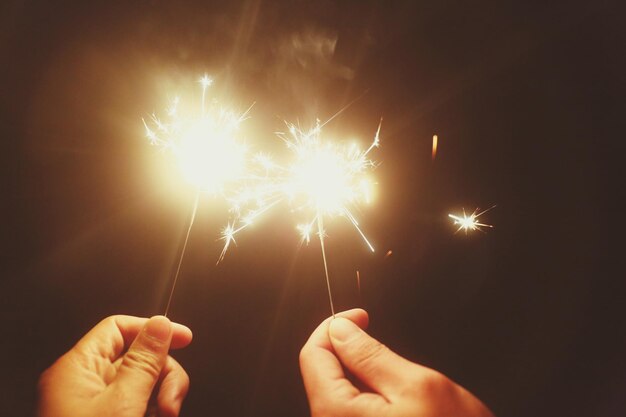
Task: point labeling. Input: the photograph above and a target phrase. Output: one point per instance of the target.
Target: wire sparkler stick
(182, 254)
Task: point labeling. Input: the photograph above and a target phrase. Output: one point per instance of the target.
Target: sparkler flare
(326, 179)
(207, 144)
(470, 222)
(210, 153)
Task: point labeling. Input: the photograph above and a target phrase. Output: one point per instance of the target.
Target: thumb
(366, 358)
(144, 360)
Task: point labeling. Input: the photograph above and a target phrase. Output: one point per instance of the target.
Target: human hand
(385, 383)
(113, 370)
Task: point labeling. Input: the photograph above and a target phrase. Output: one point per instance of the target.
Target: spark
(470, 222)
(434, 150)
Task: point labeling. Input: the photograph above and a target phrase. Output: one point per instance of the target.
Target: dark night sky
(524, 98)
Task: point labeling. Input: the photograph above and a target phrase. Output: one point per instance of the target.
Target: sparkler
(326, 179)
(208, 147)
(470, 222)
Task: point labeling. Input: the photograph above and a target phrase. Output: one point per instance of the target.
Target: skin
(347, 373)
(120, 368)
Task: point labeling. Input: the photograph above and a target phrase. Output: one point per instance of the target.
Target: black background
(527, 100)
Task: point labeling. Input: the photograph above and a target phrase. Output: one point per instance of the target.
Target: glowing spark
(206, 81)
(305, 231)
(470, 222)
(434, 151)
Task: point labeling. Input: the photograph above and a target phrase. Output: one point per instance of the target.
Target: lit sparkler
(206, 142)
(209, 150)
(470, 222)
(326, 179)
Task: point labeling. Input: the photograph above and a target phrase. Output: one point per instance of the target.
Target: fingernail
(342, 329)
(159, 328)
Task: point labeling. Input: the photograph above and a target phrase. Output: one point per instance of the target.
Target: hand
(385, 384)
(113, 370)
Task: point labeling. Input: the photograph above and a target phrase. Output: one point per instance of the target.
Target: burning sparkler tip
(471, 222)
(206, 81)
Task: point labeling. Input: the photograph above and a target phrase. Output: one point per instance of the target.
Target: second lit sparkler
(327, 179)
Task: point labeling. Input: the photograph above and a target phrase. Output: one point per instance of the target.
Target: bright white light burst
(206, 142)
(211, 154)
(326, 178)
(470, 222)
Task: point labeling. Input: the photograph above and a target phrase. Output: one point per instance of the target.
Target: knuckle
(368, 353)
(185, 380)
(304, 355)
(143, 361)
(433, 382)
(110, 320)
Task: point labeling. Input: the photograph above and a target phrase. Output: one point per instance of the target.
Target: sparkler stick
(182, 254)
(470, 222)
(320, 228)
(358, 285)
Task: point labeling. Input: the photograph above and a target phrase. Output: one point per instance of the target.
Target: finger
(173, 389)
(142, 364)
(322, 373)
(369, 360)
(113, 335)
